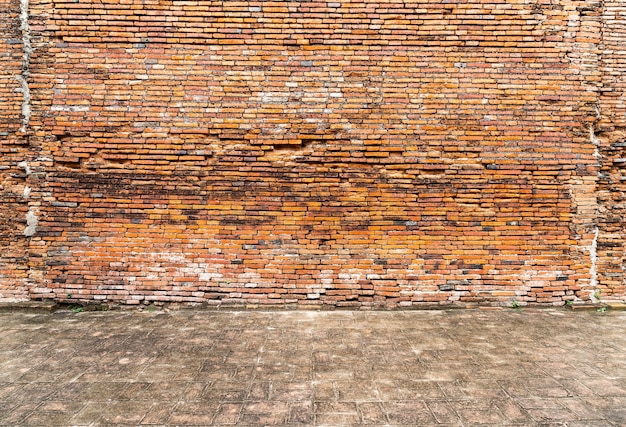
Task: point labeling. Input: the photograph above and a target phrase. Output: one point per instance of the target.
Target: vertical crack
(25, 74)
(593, 249)
(595, 141)
(593, 270)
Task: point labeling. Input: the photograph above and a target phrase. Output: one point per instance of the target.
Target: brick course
(362, 154)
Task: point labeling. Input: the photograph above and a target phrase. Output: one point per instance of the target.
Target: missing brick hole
(21, 142)
(589, 9)
(232, 141)
(434, 169)
(310, 162)
(297, 146)
(292, 43)
(59, 41)
(70, 163)
(63, 137)
(353, 163)
(303, 142)
(101, 161)
(610, 141)
(96, 161)
(238, 135)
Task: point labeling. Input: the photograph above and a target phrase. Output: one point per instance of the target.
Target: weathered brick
(311, 152)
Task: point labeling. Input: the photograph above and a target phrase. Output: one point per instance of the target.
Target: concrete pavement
(526, 367)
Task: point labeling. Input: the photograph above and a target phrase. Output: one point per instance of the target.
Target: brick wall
(317, 153)
(611, 139)
(14, 150)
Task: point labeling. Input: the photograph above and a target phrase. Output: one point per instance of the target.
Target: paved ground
(407, 368)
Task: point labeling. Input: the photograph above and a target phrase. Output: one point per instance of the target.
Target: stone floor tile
(445, 371)
(91, 414)
(512, 411)
(228, 413)
(16, 414)
(91, 391)
(580, 408)
(471, 403)
(410, 412)
(605, 387)
(333, 419)
(171, 391)
(225, 392)
(126, 413)
(451, 390)
(186, 419)
(267, 419)
(372, 413)
(132, 390)
(324, 390)
(523, 367)
(273, 373)
(53, 413)
(613, 409)
(490, 415)
(6, 408)
(158, 414)
(409, 390)
(575, 388)
(194, 391)
(264, 407)
(6, 390)
(539, 403)
(443, 412)
(335, 407)
(591, 423)
(291, 392)
(516, 388)
(481, 388)
(33, 392)
(48, 419)
(301, 412)
(543, 415)
(357, 391)
(191, 413)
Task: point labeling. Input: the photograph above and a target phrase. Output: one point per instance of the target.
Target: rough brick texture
(313, 153)
(611, 138)
(14, 149)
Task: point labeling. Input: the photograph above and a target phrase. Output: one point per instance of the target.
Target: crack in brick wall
(611, 133)
(340, 154)
(14, 149)
(25, 74)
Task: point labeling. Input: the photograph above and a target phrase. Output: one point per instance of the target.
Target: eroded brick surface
(347, 153)
(612, 145)
(13, 151)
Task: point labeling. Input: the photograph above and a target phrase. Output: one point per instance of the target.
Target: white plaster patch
(207, 277)
(70, 108)
(593, 270)
(23, 77)
(24, 165)
(31, 223)
(274, 97)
